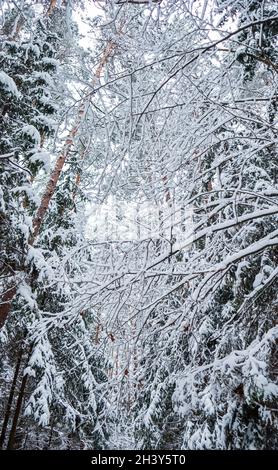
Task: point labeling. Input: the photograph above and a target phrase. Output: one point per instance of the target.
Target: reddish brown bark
(78, 176)
(52, 183)
(51, 7)
(55, 175)
(5, 306)
(107, 53)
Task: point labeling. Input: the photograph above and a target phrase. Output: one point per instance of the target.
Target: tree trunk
(18, 407)
(10, 400)
(5, 305)
(52, 183)
(55, 175)
(51, 7)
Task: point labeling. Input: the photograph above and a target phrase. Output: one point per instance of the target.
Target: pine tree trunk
(18, 407)
(50, 434)
(52, 6)
(107, 53)
(6, 302)
(55, 175)
(10, 400)
(54, 178)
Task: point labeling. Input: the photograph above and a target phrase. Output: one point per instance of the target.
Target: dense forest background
(138, 212)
